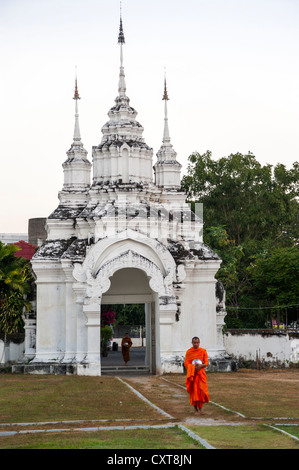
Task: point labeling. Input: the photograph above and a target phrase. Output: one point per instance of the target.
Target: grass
(293, 430)
(171, 438)
(109, 402)
(255, 436)
(26, 398)
(264, 393)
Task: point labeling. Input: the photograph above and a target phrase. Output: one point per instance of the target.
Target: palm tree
(15, 283)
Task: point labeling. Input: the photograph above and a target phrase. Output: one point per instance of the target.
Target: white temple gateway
(124, 238)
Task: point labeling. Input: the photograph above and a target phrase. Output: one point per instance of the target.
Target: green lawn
(250, 436)
(71, 402)
(29, 398)
(170, 438)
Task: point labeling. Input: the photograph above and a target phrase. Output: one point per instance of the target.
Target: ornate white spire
(166, 136)
(122, 157)
(121, 41)
(77, 167)
(77, 136)
(167, 168)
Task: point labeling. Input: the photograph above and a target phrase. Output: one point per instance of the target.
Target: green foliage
(253, 202)
(251, 215)
(231, 255)
(129, 314)
(15, 284)
(276, 274)
(106, 335)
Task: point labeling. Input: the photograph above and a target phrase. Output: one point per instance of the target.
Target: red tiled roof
(27, 249)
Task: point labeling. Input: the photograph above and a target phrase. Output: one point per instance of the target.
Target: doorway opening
(125, 319)
(129, 307)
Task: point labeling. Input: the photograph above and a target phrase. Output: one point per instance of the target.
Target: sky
(232, 70)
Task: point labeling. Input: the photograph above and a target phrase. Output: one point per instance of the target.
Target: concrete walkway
(114, 363)
(115, 358)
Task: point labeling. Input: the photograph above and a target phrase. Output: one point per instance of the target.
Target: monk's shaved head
(195, 342)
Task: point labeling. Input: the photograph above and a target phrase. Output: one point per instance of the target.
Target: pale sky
(232, 72)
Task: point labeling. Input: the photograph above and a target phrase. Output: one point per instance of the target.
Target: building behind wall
(37, 232)
(9, 238)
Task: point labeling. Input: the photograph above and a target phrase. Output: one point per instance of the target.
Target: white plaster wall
(81, 338)
(50, 338)
(294, 346)
(137, 342)
(268, 348)
(2, 354)
(199, 306)
(12, 352)
(70, 314)
(182, 330)
(197, 318)
(204, 315)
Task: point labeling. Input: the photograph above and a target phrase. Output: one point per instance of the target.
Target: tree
(250, 210)
(15, 283)
(231, 254)
(129, 314)
(275, 275)
(254, 203)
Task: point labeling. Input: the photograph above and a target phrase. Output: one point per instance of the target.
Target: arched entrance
(131, 286)
(130, 269)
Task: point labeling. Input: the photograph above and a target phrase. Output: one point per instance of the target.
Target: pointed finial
(77, 136)
(121, 41)
(121, 36)
(165, 96)
(166, 136)
(76, 94)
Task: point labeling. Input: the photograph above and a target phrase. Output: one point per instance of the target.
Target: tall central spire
(77, 135)
(122, 157)
(121, 41)
(166, 136)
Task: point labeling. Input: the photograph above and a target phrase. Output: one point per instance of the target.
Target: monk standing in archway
(196, 361)
(126, 344)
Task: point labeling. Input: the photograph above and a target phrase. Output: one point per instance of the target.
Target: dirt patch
(255, 394)
(172, 397)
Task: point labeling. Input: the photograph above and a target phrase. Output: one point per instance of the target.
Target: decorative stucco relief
(128, 250)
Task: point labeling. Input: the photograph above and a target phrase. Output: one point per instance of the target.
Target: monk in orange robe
(126, 343)
(196, 380)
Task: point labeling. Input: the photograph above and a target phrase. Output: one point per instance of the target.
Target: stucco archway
(129, 251)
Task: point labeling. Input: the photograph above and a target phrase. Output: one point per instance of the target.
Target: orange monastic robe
(125, 348)
(196, 382)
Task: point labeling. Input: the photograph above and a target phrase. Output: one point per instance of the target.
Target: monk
(196, 380)
(126, 343)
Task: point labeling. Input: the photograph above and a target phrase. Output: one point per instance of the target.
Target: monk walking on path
(196, 361)
(126, 343)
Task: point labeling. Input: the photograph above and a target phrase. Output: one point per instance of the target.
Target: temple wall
(263, 348)
(250, 348)
(51, 301)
